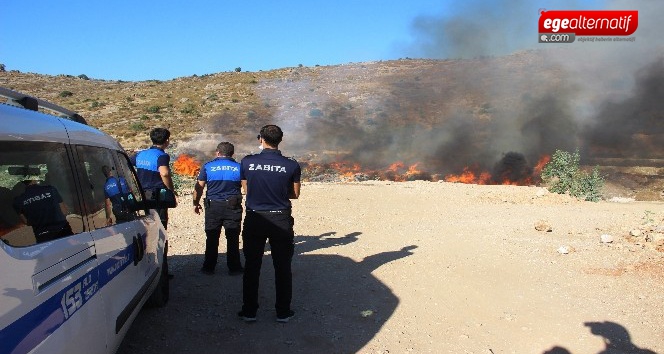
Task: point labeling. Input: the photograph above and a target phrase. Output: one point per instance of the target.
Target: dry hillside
(440, 116)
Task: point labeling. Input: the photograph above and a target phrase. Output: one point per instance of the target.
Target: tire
(159, 297)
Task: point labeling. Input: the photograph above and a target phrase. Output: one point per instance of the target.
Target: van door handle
(139, 249)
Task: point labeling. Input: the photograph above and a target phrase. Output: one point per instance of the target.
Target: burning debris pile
(353, 172)
(512, 169)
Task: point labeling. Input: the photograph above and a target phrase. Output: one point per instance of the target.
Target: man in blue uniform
(223, 207)
(270, 180)
(41, 207)
(153, 169)
(117, 196)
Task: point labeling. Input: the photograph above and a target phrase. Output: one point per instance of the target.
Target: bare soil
(429, 267)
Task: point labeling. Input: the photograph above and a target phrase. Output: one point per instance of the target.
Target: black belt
(282, 211)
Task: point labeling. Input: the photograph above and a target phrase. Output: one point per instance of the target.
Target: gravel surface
(429, 267)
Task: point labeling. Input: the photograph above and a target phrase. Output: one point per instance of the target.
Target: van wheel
(159, 297)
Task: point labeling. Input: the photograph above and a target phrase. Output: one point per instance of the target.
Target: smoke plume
(500, 109)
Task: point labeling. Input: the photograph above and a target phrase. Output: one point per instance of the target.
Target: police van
(82, 249)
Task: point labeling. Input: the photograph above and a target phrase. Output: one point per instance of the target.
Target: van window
(38, 199)
(107, 199)
(125, 171)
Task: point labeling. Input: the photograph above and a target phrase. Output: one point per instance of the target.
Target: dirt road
(429, 267)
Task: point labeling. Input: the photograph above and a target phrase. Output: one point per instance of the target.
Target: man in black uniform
(41, 207)
(223, 207)
(270, 181)
(153, 169)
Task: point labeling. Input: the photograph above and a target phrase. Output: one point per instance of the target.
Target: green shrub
(137, 126)
(83, 77)
(562, 175)
(188, 108)
(315, 113)
(154, 109)
(66, 94)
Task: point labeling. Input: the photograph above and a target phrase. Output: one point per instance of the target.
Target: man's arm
(198, 192)
(107, 210)
(294, 193)
(243, 184)
(165, 173)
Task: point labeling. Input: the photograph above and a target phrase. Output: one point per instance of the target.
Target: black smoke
(633, 127)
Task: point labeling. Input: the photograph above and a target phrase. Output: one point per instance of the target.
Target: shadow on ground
(616, 340)
(339, 305)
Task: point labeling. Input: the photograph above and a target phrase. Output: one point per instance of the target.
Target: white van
(81, 249)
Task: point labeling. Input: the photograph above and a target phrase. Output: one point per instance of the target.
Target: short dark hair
(272, 134)
(159, 135)
(226, 149)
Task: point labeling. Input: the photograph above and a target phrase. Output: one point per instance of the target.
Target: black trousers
(163, 213)
(278, 229)
(219, 214)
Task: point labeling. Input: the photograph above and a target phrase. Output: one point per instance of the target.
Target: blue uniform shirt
(116, 190)
(269, 177)
(222, 176)
(147, 164)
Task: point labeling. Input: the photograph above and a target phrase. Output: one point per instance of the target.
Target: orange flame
(400, 171)
(540, 164)
(186, 165)
(469, 177)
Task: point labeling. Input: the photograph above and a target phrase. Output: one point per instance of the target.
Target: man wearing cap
(223, 208)
(270, 180)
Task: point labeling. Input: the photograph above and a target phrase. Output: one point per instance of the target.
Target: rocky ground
(430, 267)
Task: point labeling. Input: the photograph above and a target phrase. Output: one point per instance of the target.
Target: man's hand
(197, 208)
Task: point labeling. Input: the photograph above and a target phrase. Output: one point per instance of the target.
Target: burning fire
(473, 176)
(397, 171)
(514, 171)
(186, 165)
(469, 176)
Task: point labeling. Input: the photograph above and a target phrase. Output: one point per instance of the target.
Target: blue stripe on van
(27, 332)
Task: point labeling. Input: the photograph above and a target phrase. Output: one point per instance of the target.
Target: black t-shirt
(41, 207)
(269, 177)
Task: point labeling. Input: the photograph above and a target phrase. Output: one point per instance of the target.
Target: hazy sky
(141, 40)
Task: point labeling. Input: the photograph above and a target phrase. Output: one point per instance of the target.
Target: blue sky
(142, 40)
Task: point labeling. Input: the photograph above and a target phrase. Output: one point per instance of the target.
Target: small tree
(562, 175)
(238, 69)
(2, 68)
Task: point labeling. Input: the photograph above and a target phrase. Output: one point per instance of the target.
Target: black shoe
(207, 271)
(247, 317)
(236, 271)
(285, 318)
